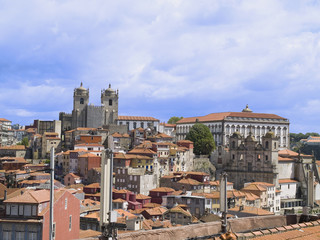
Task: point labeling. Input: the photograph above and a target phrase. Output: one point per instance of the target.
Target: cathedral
(90, 116)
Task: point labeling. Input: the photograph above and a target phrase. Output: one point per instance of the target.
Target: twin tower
(90, 116)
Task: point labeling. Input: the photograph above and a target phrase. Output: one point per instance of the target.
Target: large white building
(134, 122)
(223, 125)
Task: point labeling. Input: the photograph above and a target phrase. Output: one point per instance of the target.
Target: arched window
(81, 101)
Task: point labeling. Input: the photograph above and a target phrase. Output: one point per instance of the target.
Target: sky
(166, 57)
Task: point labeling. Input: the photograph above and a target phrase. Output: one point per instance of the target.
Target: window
(14, 209)
(7, 231)
(34, 210)
(249, 166)
(266, 157)
(233, 157)
(65, 203)
(110, 102)
(142, 125)
(19, 232)
(288, 186)
(267, 145)
(134, 125)
(81, 101)
(70, 222)
(54, 231)
(20, 209)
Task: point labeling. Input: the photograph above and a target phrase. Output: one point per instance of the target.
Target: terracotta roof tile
(224, 115)
(287, 181)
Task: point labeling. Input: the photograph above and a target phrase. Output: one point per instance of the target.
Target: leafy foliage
(202, 138)
(296, 137)
(174, 120)
(25, 142)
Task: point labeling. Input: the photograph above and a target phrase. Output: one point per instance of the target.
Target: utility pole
(223, 201)
(51, 230)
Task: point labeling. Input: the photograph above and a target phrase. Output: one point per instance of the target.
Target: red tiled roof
(141, 196)
(14, 147)
(189, 181)
(283, 159)
(4, 120)
(162, 189)
(287, 153)
(86, 155)
(287, 181)
(224, 115)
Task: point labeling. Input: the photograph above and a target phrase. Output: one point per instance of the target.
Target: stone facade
(249, 160)
(85, 115)
(223, 125)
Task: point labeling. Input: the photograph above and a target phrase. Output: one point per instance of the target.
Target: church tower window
(110, 102)
(81, 101)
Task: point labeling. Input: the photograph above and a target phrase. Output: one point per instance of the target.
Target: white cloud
(260, 52)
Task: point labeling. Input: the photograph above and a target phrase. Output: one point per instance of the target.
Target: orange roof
(142, 150)
(137, 118)
(189, 181)
(88, 233)
(287, 180)
(287, 153)
(224, 115)
(31, 197)
(90, 145)
(141, 196)
(4, 120)
(253, 187)
(93, 185)
(95, 215)
(156, 211)
(14, 159)
(185, 141)
(116, 134)
(252, 210)
(124, 213)
(119, 200)
(151, 205)
(162, 189)
(179, 209)
(86, 155)
(168, 124)
(251, 197)
(283, 159)
(217, 182)
(14, 147)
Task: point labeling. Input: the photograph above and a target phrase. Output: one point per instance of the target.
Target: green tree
(25, 142)
(202, 138)
(174, 120)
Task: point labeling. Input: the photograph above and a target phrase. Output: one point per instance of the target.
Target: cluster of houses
(155, 181)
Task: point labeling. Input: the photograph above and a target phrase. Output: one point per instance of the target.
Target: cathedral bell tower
(80, 102)
(109, 101)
